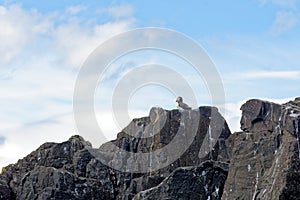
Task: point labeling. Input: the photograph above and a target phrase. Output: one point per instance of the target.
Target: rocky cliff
(205, 161)
(265, 157)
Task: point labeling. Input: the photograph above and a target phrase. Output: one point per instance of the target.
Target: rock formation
(261, 162)
(73, 169)
(265, 159)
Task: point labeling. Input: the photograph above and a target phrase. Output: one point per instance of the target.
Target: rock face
(53, 171)
(206, 162)
(73, 170)
(265, 159)
(205, 181)
(210, 129)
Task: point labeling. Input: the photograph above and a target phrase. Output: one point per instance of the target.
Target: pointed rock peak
(156, 113)
(78, 140)
(76, 137)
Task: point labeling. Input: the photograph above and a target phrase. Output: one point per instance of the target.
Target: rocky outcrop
(199, 159)
(54, 171)
(203, 132)
(75, 170)
(265, 159)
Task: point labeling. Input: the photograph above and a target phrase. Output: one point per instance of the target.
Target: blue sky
(254, 45)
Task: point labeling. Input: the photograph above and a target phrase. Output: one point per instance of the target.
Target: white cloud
(17, 29)
(41, 54)
(75, 40)
(284, 21)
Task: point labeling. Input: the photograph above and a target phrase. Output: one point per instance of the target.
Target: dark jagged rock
(72, 170)
(164, 125)
(265, 159)
(262, 162)
(211, 128)
(140, 184)
(5, 191)
(203, 182)
(53, 171)
(52, 183)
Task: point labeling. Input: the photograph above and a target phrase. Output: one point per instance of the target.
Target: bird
(182, 105)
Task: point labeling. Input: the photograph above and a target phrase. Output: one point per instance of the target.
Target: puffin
(182, 105)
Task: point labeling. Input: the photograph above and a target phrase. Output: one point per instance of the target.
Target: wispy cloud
(40, 57)
(75, 41)
(284, 21)
(287, 16)
(18, 27)
(44, 121)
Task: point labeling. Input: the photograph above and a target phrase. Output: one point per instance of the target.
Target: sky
(254, 45)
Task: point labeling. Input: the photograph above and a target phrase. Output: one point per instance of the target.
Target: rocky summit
(174, 154)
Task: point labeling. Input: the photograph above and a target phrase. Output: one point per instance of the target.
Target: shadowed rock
(202, 182)
(73, 169)
(265, 159)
